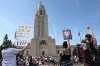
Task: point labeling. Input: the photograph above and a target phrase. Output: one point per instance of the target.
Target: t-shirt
(9, 56)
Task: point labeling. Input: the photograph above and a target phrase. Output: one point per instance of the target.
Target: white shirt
(9, 56)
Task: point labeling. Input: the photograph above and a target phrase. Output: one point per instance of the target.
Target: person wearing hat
(9, 53)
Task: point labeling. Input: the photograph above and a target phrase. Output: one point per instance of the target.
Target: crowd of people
(89, 46)
(36, 61)
(42, 60)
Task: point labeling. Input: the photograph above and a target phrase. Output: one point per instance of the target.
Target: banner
(23, 34)
(67, 34)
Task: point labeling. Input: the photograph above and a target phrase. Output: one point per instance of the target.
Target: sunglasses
(89, 39)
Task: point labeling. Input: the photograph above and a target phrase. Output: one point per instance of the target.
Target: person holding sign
(65, 54)
(9, 53)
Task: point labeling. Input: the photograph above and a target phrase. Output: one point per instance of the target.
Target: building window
(20, 43)
(17, 43)
(42, 28)
(43, 53)
(27, 53)
(41, 12)
(43, 42)
(58, 52)
(39, 28)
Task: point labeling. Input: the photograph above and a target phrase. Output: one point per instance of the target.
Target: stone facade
(29, 52)
(42, 43)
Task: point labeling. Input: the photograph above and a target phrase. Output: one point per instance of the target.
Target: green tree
(10, 41)
(0, 48)
(0, 52)
(74, 51)
(5, 38)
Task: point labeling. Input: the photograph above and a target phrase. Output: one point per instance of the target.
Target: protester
(31, 61)
(89, 48)
(9, 53)
(65, 55)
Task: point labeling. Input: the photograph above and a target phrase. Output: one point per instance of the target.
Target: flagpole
(80, 39)
(79, 36)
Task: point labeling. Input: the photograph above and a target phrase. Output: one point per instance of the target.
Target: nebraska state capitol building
(42, 43)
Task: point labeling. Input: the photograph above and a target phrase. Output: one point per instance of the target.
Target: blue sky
(75, 15)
